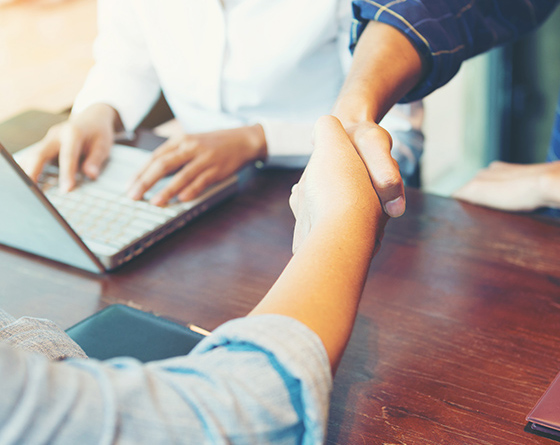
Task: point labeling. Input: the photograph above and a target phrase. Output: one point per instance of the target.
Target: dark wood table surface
(458, 333)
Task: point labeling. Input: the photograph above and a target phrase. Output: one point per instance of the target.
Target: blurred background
(500, 106)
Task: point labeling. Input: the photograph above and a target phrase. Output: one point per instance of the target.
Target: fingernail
(64, 186)
(93, 171)
(135, 193)
(157, 201)
(396, 207)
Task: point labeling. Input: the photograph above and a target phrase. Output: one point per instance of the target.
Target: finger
(374, 146)
(504, 171)
(157, 168)
(481, 192)
(163, 151)
(500, 167)
(508, 169)
(181, 180)
(328, 133)
(69, 157)
(166, 146)
(517, 194)
(34, 161)
(97, 155)
(198, 185)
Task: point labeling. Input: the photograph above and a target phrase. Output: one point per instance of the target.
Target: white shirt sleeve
(123, 76)
(289, 143)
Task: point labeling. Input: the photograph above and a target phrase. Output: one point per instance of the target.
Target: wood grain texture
(458, 332)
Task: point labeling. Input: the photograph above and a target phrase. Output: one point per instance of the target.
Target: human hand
(373, 143)
(514, 187)
(199, 161)
(385, 67)
(335, 189)
(88, 134)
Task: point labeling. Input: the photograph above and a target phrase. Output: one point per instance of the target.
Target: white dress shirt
(224, 64)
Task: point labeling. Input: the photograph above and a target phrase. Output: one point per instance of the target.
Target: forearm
(381, 74)
(322, 284)
(100, 114)
(448, 33)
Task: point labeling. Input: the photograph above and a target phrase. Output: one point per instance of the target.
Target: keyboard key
(104, 217)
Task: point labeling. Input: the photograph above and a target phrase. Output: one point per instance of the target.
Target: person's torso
(233, 61)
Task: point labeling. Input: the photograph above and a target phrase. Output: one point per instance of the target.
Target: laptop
(94, 227)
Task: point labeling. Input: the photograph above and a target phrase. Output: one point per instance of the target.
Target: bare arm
(339, 223)
(385, 67)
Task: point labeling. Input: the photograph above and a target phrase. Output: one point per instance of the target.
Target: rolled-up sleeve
(38, 335)
(447, 32)
(262, 379)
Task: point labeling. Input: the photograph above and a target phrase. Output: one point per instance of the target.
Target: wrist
(385, 67)
(353, 239)
(351, 106)
(359, 223)
(100, 115)
(549, 185)
(255, 141)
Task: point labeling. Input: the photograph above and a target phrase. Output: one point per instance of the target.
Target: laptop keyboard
(106, 218)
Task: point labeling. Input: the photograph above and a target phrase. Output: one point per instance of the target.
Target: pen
(198, 329)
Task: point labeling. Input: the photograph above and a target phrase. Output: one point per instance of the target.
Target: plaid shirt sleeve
(447, 32)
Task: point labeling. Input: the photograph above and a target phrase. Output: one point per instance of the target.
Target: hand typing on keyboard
(81, 144)
(199, 161)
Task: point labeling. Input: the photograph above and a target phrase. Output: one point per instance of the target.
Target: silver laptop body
(94, 227)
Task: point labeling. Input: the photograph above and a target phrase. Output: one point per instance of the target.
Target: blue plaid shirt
(447, 32)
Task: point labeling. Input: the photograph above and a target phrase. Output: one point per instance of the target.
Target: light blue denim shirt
(262, 379)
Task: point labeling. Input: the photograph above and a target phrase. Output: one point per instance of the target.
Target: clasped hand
(335, 192)
(198, 160)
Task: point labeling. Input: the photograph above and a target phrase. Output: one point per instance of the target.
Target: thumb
(373, 143)
(97, 155)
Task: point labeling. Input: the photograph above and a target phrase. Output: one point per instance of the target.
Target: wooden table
(458, 332)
